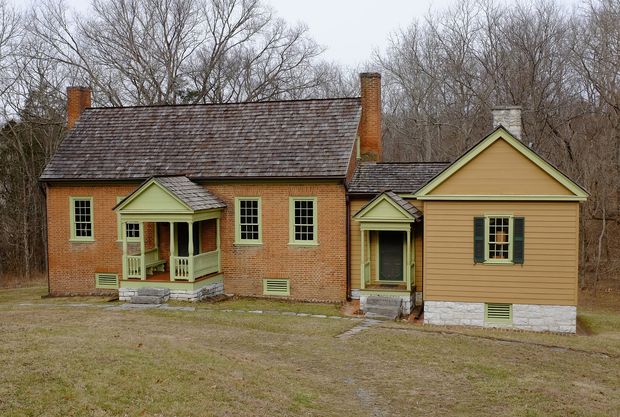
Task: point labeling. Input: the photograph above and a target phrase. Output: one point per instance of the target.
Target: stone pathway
(360, 327)
(364, 323)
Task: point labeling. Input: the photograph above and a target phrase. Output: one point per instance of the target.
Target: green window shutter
(517, 239)
(479, 231)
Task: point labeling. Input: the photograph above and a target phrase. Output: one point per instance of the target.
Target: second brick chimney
(78, 98)
(371, 146)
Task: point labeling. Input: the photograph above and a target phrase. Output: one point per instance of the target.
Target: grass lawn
(57, 360)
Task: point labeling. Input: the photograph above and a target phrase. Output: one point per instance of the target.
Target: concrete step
(148, 299)
(157, 292)
(383, 301)
(383, 312)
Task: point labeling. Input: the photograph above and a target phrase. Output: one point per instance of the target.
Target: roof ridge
(239, 103)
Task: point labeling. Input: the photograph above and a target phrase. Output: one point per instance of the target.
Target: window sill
(81, 240)
(304, 244)
(498, 262)
(248, 244)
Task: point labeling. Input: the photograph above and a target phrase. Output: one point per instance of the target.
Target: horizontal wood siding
(548, 276)
(501, 170)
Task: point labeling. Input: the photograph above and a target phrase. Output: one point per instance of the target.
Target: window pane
(248, 220)
(304, 220)
(82, 218)
(499, 237)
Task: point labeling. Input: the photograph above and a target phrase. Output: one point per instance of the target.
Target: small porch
(387, 250)
(170, 231)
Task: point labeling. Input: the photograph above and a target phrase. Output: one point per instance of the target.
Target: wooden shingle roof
(195, 196)
(279, 139)
(403, 178)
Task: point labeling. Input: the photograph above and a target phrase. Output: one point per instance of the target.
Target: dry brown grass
(88, 361)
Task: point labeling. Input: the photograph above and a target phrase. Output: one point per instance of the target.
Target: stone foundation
(407, 302)
(355, 294)
(216, 288)
(552, 318)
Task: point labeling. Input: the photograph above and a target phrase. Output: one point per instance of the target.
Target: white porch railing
(188, 268)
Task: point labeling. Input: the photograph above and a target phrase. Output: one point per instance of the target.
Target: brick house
(292, 199)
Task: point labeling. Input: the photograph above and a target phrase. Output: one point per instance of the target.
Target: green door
(391, 263)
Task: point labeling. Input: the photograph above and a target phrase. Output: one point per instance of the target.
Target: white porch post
(124, 236)
(363, 261)
(408, 260)
(142, 253)
(172, 261)
(218, 243)
(190, 250)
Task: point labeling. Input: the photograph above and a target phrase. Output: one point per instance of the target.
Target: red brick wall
(316, 273)
(370, 124)
(72, 265)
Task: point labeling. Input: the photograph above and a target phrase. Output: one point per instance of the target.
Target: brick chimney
(371, 146)
(78, 98)
(509, 117)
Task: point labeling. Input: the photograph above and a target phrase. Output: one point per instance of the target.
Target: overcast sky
(349, 29)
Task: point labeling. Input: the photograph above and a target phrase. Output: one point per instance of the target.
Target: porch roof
(407, 210)
(169, 195)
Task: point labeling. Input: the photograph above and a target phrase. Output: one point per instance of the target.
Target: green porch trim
(176, 285)
(383, 209)
(501, 133)
(387, 226)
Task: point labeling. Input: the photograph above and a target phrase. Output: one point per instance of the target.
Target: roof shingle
(404, 178)
(279, 139)
(192, 194)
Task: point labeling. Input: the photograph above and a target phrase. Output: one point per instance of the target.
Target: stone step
(148, 299)
(151, 291)
(383, 301)
(385, 312)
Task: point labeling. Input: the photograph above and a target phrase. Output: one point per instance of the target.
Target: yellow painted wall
(548, 275)
(500, 170)
(356, 205)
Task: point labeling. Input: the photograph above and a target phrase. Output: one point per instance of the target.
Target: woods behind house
(441, 75)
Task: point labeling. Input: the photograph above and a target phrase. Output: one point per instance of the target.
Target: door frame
(378, 251)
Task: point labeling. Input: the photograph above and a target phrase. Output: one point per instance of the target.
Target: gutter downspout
(46, 241)
(348, 257)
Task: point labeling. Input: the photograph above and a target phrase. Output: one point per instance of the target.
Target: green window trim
(74, 221)
(277, 286)
(119, 226)
(500, 313)
(297, 228)
(239, 238)
(106, 280)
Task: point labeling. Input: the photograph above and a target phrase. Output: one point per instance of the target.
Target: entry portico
(387, 230)
(181, 209)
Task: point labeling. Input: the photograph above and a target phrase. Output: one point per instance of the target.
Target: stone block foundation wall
(407, 302)
(216, 288)
(552, 318)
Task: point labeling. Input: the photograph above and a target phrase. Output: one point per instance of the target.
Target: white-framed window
(82, 229)
(248, 227)
(499, 237)
(303, 221)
